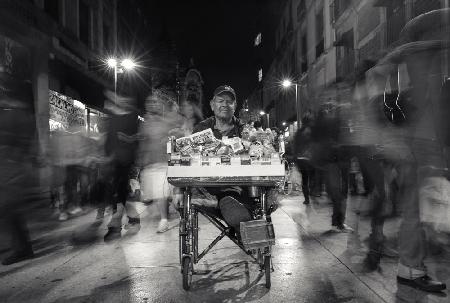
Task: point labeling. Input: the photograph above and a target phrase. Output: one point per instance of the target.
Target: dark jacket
(211, 123)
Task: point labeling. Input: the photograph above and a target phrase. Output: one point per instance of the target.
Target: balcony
(338, 7)
(319, 48)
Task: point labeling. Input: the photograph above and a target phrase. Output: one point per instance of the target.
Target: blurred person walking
(302, 144)
(17, 151)
(416, 68)
(121, 146)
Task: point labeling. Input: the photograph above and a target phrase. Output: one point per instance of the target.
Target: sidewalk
(350, 249)
(73, 264)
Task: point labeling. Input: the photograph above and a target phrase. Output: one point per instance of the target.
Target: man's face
(223, 106)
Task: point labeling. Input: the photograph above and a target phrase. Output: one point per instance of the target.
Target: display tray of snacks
(203, 160)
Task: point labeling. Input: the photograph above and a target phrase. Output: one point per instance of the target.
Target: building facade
(320, 43)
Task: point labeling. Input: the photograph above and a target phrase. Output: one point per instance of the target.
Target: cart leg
(195, 235)
(187, 241)
(267, 270)
(187, 269)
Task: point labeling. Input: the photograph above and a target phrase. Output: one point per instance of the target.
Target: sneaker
(342, 228)
(63, 216)
(163, 226)
(75, 211)
(133, 224)
(389, 252)
(112, 234)
(100, 214)
(18, 256)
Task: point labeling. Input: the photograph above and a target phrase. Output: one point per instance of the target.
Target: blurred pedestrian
(416, 67)
(17, 151)
(302, 146)
(121, 146)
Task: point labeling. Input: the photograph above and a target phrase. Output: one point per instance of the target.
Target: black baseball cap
(225, 89)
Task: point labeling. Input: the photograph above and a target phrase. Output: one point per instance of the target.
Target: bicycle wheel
(267, 269)
(187, 273)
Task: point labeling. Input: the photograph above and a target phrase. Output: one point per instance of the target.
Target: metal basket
(257, 234)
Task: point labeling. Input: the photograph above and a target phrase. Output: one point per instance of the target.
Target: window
(304, 57)
(345, 53)
(424, 6)
(339, 7)
(301, 10)
(258, 39)
(260, 75)
(319, 33)
(395, 20)
(51, 7)
(107, 43)
(84, 22)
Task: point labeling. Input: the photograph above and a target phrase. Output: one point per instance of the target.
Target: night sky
(219, 35)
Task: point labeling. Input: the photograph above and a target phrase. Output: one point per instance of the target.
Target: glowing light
(284, 123)
(128, 64)
(78, 104)
(112, 62)
(262, 113)
(286, 83)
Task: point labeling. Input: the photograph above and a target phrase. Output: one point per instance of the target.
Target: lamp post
(125, 64)
(286, 84)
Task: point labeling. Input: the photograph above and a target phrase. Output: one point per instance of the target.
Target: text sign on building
(65, 113)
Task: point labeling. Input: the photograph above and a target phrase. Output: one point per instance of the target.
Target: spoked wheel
(187, 269)
(268, 269)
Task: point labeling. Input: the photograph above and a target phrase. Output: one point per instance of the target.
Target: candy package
(235, 143)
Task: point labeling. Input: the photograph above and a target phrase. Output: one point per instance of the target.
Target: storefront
(67, 114)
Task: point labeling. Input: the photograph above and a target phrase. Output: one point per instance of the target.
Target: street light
(126, 64)
(286, 83)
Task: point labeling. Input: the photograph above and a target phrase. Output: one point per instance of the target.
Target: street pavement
(311, 264)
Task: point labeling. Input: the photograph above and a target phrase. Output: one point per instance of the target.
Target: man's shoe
(112, 234)
(163, 226)
(75, 211)
(342, 228)
(424, 283)
(63, 216)
(306, 202)
(18, 256)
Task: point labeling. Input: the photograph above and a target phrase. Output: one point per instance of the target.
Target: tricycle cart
(257, 235)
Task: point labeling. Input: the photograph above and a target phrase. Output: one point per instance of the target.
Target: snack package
(235, 143)
(181, 143)
(204, 137)
(256, 150)
(224, 150)
(268, 150)
(245, 135)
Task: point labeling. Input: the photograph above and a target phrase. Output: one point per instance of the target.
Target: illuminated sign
(65, 112)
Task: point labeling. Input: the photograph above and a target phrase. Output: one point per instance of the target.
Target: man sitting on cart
(233, 202)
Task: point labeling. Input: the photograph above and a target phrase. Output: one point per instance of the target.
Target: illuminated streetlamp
(126, 64)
